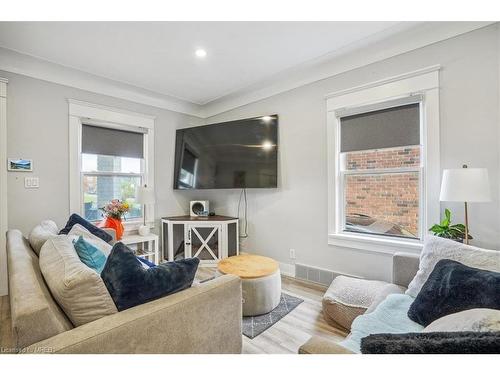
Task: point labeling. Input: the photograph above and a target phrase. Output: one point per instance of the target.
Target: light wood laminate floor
(286, 336)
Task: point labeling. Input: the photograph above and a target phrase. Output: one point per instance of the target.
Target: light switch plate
(31, 182)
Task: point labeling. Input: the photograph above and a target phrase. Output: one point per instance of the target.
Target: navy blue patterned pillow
(453, 287)
(130, 284)
(77, 219)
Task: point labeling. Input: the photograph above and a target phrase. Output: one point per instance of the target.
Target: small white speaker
(198, 208)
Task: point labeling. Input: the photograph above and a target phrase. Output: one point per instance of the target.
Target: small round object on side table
(144, 230)
(260, 281)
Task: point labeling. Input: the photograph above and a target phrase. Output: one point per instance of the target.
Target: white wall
(295, 214)
(37, 126)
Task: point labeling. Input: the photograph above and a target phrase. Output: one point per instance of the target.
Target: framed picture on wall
(19, 165)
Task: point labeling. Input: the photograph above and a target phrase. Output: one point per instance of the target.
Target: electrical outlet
(292, 253)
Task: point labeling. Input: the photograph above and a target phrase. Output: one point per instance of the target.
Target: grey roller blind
(384, 128)
(114, 142)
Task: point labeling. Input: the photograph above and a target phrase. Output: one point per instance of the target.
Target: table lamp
(145, 195)
(465, 185)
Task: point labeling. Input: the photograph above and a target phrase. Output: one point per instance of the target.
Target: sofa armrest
(318, 345)
(205, 318)
(404, 268)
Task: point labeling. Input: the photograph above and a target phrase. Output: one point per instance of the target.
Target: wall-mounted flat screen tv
(228, 155)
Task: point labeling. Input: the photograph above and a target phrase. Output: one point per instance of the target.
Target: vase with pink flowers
(114, 212)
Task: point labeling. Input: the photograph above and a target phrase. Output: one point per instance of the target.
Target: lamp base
(144, 230)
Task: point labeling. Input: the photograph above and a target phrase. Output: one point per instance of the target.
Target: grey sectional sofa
(205, 318)
(404, 269)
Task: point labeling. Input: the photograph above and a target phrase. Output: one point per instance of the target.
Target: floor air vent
(315, 275)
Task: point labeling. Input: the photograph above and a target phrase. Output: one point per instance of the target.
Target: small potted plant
(113, 213)
(455, 232)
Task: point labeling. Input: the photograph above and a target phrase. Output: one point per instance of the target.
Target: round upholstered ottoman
(260, 281)
(349, 297)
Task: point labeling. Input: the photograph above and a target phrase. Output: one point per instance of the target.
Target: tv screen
(234, 154)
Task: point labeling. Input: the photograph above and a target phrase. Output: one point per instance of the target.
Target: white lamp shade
(145, 195)
(465, 185)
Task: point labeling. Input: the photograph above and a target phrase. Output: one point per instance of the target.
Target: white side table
(210, 238)
(147, 246)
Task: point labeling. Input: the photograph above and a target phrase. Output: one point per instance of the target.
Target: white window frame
(424, 82)
(3, 187)
(94, 114)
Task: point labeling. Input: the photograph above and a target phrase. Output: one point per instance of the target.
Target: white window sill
(374, 243)
(131, 226)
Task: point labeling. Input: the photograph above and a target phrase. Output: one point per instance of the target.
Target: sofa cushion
(35, 316)
(78, 289)
(90, 255)
(453, 287)
(41, 233)
(78, 230)
(77, 219)
(436, 248)
(432, 343)
(348, 297)
(130, 284)
(473, 320)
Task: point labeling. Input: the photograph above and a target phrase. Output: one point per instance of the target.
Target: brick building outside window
(389, 198)
(380, 170)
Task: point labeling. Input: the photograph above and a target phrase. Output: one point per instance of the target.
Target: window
(380, 170)
(107, 177)
(112, 168)
(383, 163)
(109, 160)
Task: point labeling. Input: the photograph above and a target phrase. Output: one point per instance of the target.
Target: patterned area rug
(255, 325)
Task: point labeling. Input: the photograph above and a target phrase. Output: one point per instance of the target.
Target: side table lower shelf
(147, 246)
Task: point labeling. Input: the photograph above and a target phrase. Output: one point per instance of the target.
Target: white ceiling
(159, 56)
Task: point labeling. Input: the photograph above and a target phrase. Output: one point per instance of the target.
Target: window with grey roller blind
(107, 141)
(380, 158)
(383, 128)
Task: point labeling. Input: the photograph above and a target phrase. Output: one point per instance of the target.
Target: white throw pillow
(78, 289)
(476, 320)
(436, 248)
(41, 233)
(78, 230)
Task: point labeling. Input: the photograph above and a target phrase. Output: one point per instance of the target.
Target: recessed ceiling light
(200, 53)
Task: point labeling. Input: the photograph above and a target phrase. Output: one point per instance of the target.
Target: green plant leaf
(447, 214)
(445, 223)
(458, 227)
(436, 229)
(457, 233)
